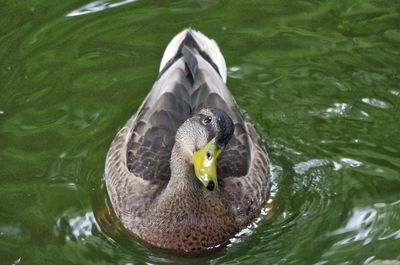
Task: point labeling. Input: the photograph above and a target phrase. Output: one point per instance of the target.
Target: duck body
(157, 187)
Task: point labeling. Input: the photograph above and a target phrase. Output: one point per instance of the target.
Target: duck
(188, 170)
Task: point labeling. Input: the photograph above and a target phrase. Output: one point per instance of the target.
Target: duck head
(205, 135)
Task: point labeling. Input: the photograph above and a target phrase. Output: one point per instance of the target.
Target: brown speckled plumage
(149, 175)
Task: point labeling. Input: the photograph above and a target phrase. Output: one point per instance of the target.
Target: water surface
(319, 79)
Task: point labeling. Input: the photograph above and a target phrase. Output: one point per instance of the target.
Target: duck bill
(205, 164)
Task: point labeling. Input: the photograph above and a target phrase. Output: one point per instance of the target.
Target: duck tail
(190, 38)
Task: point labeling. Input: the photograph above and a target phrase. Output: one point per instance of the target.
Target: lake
(319, 79)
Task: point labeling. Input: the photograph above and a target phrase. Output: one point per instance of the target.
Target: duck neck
(183, 177)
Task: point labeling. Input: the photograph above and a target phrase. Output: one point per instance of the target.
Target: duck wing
(188, 82)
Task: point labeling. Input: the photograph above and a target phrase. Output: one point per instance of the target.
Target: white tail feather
(209, 46)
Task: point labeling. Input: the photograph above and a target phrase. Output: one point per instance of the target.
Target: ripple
(337, 166)
(97, 6)
(13, 230)
(345, 110)
(69, 72)
(303, 167)
(80, 226)
(392, 35)
(17, 261)
(394, 92)
(339, 108)
(235, 72)
(351, 162)
(361, 221)
(376, 103)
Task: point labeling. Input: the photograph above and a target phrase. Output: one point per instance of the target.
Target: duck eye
(207, 120)
(209, 155)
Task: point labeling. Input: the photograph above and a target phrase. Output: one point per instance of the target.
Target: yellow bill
(205, 164)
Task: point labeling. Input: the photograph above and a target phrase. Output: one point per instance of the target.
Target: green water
(319, 79)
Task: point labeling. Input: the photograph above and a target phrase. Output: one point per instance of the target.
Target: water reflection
(376, 103)
(81, 226)
(97, 6)
(325, 99)
(303, 167)
(10, 230)
(345, 110)
(361, 222)
(339, 108)
(351, 162)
